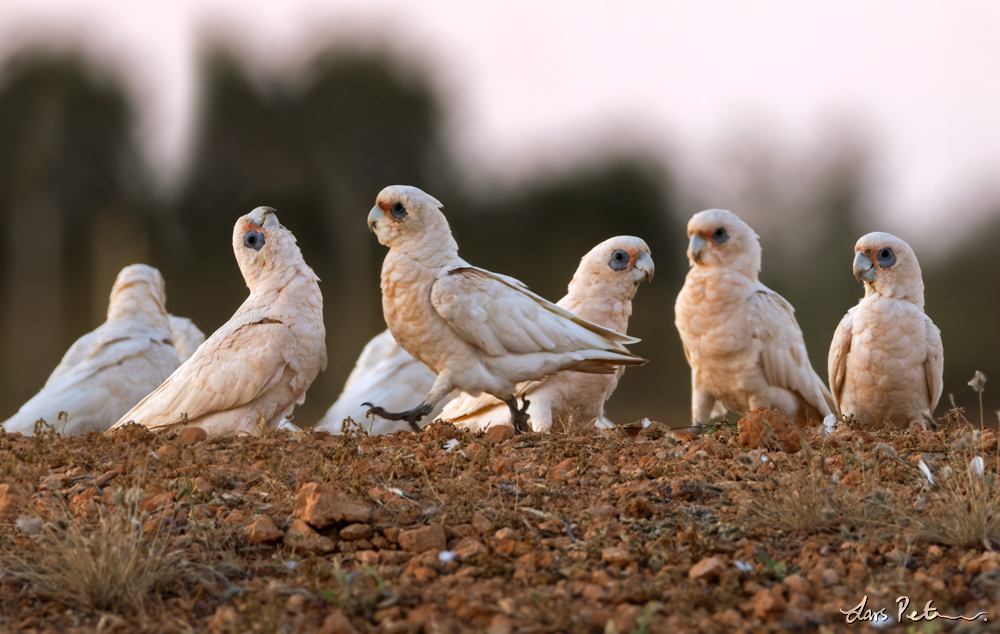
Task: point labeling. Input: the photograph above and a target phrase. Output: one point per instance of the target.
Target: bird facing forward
(741, 339)
(886, 359)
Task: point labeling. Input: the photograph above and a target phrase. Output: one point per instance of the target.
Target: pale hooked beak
(264, 217)
(695, 246)
(643, 268)
(373, 217)
(864, 270)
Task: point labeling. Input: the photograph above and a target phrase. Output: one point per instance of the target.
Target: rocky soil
(759, 526)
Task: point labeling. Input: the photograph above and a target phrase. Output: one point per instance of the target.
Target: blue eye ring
(720, 235)
(619, 260)
(398, 211)
(886, 258)
(253, 240)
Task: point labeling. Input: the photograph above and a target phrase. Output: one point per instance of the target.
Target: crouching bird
(478, 331)
(601, 291)
(886, 359)
(109, 370)
(254, 369)
(741, 339)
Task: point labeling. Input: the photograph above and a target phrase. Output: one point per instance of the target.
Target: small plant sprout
(978, 383)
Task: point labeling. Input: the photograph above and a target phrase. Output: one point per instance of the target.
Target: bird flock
(477, 349)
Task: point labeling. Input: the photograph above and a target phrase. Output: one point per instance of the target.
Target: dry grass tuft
(800, 501)
(108, 567)
(963, 510)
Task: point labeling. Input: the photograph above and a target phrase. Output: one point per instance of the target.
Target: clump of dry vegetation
(110, 566)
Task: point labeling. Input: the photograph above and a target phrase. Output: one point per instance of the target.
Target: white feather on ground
(254, 369)
(109, 370)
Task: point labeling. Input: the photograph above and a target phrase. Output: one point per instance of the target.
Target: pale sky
(533, 84)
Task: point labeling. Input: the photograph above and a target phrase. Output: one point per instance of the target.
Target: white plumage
(254, 369)
(886, 358)
(741, 339)
(601, 292)
(477, 330)
(185, 335)
(384, 374)
(109, 370)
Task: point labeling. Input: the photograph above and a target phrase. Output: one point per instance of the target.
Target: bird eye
(886, 257)
(253, 240)
(719, 235)
(619, 260)
(398, 211)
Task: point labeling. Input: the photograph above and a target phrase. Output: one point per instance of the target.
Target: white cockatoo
(185, 335)
(386, 374)
(254, 369)
(477, 330)
(741, 339)
(601, 292)
(109, 370)
(886, 359)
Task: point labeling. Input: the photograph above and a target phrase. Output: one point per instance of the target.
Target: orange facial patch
(383, 205)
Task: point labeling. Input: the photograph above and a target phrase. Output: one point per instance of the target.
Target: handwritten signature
(861, 612)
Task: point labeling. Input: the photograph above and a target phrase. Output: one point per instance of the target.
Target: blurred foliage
(319, 146)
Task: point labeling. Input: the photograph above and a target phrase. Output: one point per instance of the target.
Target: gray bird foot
(519, 417)
(411, 416)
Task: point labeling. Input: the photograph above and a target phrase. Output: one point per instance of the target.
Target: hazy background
(140, 132)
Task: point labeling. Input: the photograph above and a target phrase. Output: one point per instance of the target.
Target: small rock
(708, 568)
(192, 435)
(301, 536)
(261, 531)
(603, 512)
(421, 540)
(55, 482)
(768, 602)
(108, 476)
(10, 499)
(616, 556)
(499, 433)
(352, 532)
(638, 508)
(203, 486)
(830, 577)
(481, 524)
(797, 583)
(469, 547)
(367, 557)
(337, 623)
(765, 428)
(321, 506)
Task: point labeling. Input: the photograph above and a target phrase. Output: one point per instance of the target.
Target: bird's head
(617, 266)
(719, 239)
(138, 289)
(263, 247)
(407, 218)
(888, 266)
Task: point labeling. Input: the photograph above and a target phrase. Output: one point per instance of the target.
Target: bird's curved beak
(864, 270)
(373, 217)
(642, 270)
(695, 246)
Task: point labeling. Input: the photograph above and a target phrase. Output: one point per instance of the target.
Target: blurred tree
(66, 157)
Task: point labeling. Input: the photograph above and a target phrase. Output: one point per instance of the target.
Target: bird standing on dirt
(886, 359)
(601, 292)
(477, 330)
(741, 339)
(109, 370)
(254, 369)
